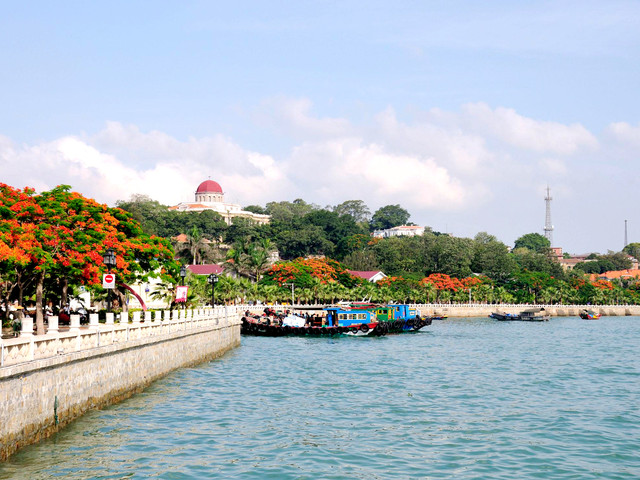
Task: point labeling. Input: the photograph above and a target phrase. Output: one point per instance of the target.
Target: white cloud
(456, 168)
(625, 133)
(526, 133)
(173, 175)
(346, 168)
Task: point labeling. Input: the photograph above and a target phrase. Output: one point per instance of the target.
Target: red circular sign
(108, 278)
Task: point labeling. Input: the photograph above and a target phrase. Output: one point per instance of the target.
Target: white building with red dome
(209, 196)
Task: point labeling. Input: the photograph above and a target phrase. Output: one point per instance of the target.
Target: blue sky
(460, 111)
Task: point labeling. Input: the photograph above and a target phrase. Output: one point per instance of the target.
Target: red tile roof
(205, 269)
(366, 274)
(617, 274)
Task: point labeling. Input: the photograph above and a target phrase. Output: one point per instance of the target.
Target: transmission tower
(548, 228)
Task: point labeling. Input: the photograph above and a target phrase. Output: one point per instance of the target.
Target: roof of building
(209, 186)
(366, 274)
(205, 269)
(617, 274)
(408, 227)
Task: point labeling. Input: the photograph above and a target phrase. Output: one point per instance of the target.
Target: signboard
(181, 294)
(109, 280)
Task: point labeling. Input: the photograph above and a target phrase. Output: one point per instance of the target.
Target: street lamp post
(109, 260)
(293, 286)
(213, 279)
(183, 274)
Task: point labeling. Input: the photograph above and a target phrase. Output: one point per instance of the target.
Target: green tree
(389, 216)
(287, 211)
(492, 258)
(633, 249)
(356, 209)
(534, 242)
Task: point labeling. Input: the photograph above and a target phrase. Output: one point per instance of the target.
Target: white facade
(209, 196)
(401, 231)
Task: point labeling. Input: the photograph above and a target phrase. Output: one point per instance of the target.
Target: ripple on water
(470, 398)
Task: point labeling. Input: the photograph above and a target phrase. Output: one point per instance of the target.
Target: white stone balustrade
(93, 320)
(27, 327)
(74, 323)
(78, 337)
(53, 324)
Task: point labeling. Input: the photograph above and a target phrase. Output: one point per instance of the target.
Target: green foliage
(356, 209)
(534, 242)
(389, 216)
(256, 209)
(633, 249)
(605, 263)
(492, 258)
(288, 211)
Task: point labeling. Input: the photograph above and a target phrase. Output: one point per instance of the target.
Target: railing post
(74, 323)
(53, 324)
(93, 320)
(109, 318)
(26, 329)
(147, 316)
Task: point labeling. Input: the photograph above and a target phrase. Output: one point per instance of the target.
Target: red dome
(209, 186)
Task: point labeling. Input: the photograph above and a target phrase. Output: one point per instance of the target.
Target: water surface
(467, 399)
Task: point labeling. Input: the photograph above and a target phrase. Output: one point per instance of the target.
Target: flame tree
(61, 234)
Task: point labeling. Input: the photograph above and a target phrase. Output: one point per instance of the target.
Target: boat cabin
(341, 317)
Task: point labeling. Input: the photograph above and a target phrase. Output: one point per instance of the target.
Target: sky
(462, 112)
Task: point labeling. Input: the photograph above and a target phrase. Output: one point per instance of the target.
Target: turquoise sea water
(467, 399)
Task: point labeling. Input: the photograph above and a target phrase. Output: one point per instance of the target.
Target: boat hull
(258, 329)
(510, 317)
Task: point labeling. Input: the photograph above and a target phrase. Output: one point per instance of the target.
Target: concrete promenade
(47, 381)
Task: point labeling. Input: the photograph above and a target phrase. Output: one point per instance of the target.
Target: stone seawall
(483, 310)
(40, 396)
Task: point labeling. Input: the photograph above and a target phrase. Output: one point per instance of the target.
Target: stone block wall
(40, 396)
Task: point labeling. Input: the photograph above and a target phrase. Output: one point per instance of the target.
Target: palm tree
(194, 247)
(257, 260)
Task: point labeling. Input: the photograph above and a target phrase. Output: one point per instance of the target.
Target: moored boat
(357, 323)
(393, 318)
(529, 315)
(589, 315)
(350, 319)
(504, 316)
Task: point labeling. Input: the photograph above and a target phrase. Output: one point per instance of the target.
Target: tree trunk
(39, 301)
(64, 293)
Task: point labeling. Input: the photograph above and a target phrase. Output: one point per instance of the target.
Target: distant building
(205, 269)
(368, 275)
(615, 274)
(569, 262)
(401, 231)
(209, 196)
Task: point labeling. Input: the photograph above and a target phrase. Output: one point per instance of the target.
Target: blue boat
(335, 321)
(391, 318)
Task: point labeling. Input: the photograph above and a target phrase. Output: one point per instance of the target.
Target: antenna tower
(625, 234)
(548, 228)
